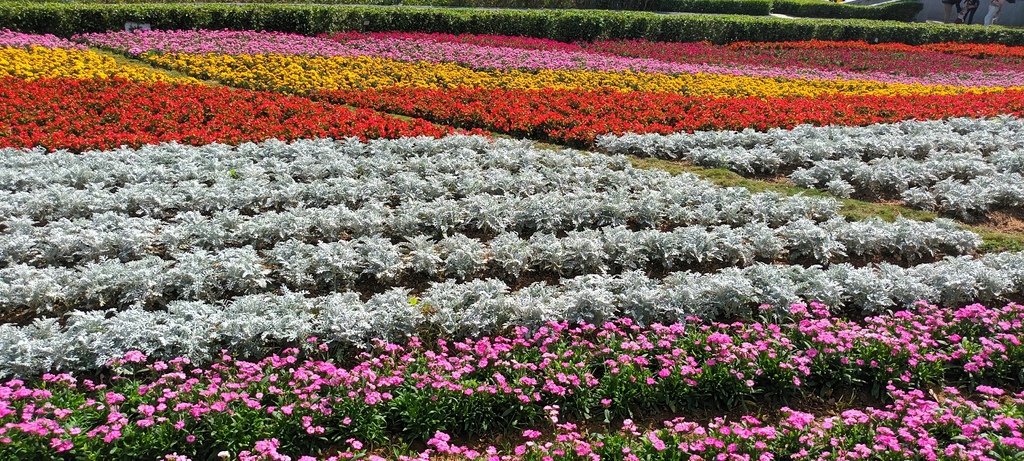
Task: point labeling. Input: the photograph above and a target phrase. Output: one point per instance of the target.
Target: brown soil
(1005, 221)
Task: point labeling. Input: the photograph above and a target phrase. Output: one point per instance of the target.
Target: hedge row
(567, 25)
(896, 11)
(744, 7)
(899, 11)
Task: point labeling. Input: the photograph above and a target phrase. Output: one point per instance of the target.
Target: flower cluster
(9, 38)
(1002, 53)
(578, 117)
(884, 62)
(34, 62)
(944, 425)
(530, 378)
(515, 41)
(107, 113)
(981, 50)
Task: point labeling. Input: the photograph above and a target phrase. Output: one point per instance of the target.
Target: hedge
(897, 11)
(744, 7)
(567, 25)
(901, 11)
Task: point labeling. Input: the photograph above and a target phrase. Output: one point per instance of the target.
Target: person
(994, 8)
(947, 6)
(967, 14)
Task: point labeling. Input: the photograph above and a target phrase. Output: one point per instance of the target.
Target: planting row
(783, 150)
(498, 185)
(119, 236)
(328, 266)
(502, 53)
(410, 390)
(932, 62)
(79, 115)
(451, 309)
(578, 117)
(962, 167)
(13, 39)
(39, 62)
(939, 426)
(110, 236)
(306, 74)
(895, 58)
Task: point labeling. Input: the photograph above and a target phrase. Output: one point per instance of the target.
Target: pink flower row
(614, 369)
(9, 38)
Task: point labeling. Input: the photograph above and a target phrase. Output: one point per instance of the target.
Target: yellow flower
(303, 74)
(40, 62)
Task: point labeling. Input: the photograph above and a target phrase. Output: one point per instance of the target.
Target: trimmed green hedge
(566, 25)
(902, 11)
(745, 7)
(897, 11)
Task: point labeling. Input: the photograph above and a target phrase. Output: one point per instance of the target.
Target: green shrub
(902, 11)
(897, 11)
(67, 19)
(748, 7)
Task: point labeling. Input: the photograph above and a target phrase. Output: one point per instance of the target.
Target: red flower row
(101, 114)
(919, 61)
(974, 50)
(577, 117)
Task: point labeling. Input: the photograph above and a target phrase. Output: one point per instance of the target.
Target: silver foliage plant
(212, 275)
(248, 246)
(963, 167)
(195, 328)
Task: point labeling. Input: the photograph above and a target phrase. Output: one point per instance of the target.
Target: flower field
(268, 246)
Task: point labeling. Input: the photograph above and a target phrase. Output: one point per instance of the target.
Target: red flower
(102, 114)
(577, 116)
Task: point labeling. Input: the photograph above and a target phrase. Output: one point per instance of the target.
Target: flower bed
(103, 114)
(438, 294)
(961, 167)
(505, 53)
(37, 62)
(303, 74)
(9, 38)
(578, 117)
(940, 426)
(412, 390)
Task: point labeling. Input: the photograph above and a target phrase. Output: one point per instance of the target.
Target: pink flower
(60, 445)
(988, 390)
(656, 442)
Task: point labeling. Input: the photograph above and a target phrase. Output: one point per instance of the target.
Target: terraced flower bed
(239, 245)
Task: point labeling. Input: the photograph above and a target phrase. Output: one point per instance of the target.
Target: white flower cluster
(962, 167)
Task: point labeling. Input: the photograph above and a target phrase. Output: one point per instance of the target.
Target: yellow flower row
(40, 62)
(302, 74)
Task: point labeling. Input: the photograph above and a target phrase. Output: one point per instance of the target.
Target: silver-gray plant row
(961, 167)
(213, 275)
(181, 250)
(196, 329)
